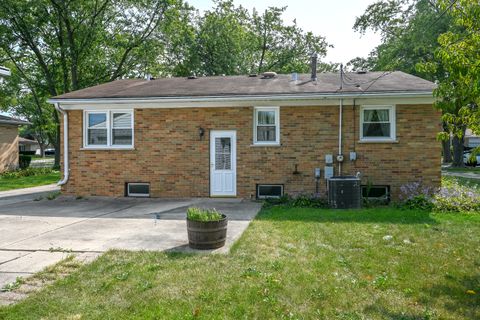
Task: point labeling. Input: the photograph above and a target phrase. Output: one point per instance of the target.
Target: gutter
(335, 96)
(66, 169)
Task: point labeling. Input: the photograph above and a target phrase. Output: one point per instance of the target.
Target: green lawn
(289, 264)
(10, 183)
(475, 170)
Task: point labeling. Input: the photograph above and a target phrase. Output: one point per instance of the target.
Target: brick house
(9, 142)
(249, 136)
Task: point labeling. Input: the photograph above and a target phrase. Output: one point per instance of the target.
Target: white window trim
(140, 195)
(393, 123)
(109, 145)
(277, 126)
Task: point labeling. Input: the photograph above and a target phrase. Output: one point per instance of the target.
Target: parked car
(467, 159)
(49, 152)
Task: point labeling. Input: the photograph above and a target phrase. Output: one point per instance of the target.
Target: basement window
(138, 189)
(376, 192)
(265, 191)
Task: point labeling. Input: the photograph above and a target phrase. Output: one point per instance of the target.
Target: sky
(332, 19)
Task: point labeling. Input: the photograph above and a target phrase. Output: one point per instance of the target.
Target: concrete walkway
(33, 234)
(26, 194)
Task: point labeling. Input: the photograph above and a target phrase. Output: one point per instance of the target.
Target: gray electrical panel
(328, 159)
(328, 172)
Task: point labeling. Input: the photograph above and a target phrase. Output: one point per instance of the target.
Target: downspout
(340, 116)
(66, 168)
(340, 136)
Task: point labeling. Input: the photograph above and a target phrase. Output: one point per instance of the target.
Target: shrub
(451, 197)
(27, 153)
(419, 202)
(300, 201)
(204, 215)
(24, 161)
(27, 172)
(454, 197)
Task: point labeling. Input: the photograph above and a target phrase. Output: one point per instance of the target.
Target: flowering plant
(451, 197)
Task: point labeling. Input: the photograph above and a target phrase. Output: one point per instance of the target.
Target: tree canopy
(55, 46)
(436, 40)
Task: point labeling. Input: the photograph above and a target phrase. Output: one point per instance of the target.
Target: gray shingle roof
(12, 121)
(328, 83)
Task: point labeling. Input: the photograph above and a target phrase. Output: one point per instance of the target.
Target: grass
(475, 170)
(8, 182)
(380, 263)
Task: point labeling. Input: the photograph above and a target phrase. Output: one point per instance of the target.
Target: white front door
(223, 163)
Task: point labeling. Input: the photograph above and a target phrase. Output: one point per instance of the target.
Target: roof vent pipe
(314, 66)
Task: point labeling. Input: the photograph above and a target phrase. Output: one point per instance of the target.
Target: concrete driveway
(33, 234)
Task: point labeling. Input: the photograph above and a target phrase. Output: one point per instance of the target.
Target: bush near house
(24, 161)
(29, 177)
(454, 195)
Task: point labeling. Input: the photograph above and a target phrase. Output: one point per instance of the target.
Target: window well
(138, 189)
(376, 192)
(265, 191)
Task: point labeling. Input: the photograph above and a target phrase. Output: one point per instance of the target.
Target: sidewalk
(26, 194)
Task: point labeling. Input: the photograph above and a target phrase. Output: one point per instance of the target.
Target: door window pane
(223, 154)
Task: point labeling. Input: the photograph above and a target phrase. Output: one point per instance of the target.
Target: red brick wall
(169, 154)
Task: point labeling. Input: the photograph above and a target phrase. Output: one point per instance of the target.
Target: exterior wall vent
(265, 191)
(138, 189)
(269, 75)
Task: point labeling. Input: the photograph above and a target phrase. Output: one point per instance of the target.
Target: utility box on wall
(328, 172)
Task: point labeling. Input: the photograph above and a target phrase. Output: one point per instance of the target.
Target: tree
(55, 46)
(230, 40)
(459, 58)
(58, 46)
(410, 31)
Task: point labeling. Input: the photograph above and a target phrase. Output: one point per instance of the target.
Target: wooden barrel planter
(205, 235)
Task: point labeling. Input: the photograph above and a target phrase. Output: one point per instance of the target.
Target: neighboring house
(28, 145)
(9, 142)
(245, 136)
(4, 72)
(471, 140)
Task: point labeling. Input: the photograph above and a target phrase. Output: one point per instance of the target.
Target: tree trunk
(458, 151)
(42, 150)
(447, 152)
(56, 145)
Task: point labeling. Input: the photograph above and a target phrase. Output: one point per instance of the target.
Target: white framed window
(266, 128)
(377, 123)
(136, 189)
(108, 129)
